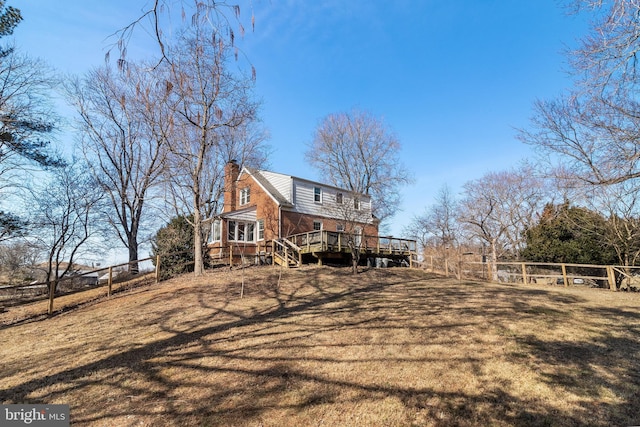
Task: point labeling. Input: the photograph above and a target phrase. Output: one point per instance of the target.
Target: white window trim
(216, 229)
(260, 230)
(318, 194)
(245, 196)
(314, 225)
(245, 228)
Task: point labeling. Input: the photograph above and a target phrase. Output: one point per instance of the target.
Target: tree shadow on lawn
(232, 366)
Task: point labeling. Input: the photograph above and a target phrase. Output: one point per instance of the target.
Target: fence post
(524, 273)
(157, 268)
(52, 288)
(230, 255)
(110, 281)
(446, 267)
(612, 278)
(564, 275)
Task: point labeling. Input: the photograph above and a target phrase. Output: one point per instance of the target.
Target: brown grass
(386, 348)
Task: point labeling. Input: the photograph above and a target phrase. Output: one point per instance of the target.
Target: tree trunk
(134, 268)
(355, 259)
(198, 264)
(494, 261)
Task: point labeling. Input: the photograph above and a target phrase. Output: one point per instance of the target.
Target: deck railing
(332, 241)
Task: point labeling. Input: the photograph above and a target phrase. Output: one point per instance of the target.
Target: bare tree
(123, 126)
(357, 151)
(440, 219)
(353, 213)
(620, 204)
(606, 59)
(65, 214)
(18, 260)
(592, 131)
(205, 97)
(589, 139)
(220, 16)
(438, 225)
(497, 208)
(246, 144)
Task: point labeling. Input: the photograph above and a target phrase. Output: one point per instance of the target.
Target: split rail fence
(108, 279)
(613, 277)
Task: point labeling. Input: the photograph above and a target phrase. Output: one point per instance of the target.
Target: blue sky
(452, 78)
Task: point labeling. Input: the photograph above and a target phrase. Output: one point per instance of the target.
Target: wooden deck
(324, 244)
(318, 246)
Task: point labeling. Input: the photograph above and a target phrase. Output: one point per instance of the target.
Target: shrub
(174, 244)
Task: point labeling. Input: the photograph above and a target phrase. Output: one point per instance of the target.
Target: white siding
(282, 183)
(303, 197)
(249, 215)
(305, 204)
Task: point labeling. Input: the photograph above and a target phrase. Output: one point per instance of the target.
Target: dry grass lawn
(391, 347)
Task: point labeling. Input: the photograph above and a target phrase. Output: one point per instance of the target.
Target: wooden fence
(77, 283)
(613, 277)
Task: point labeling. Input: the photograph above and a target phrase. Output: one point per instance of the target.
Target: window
(231, 235)
(340, 227)
(356, 204)
(240, 231)
(339, 198)
(261, 229)
(250, 232)
(245, 196)
(317, 194)
(216, 232)
(317, 225)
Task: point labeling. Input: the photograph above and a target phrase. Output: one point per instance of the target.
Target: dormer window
(245, 196)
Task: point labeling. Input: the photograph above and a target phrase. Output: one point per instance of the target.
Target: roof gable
(268, 185)
(280, 186)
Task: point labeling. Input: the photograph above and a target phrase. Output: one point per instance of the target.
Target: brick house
(263, 206)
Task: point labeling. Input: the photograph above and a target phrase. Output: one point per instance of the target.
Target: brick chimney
(231, 172)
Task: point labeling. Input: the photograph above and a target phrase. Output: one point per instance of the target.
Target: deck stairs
(287, 253)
